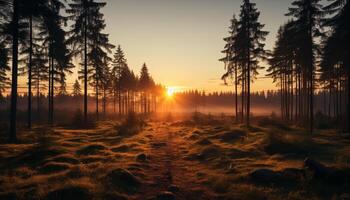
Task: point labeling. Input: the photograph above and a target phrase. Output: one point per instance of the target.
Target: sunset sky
(181, 40)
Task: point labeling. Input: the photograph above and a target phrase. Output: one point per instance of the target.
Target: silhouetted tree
(145, 84)
(76, 89)
(81, 34)
(230, 60)
(335, 65)
(249, 48)
(40, 70)
(4, 67)
(119, 63)
(99, 47)
(307, 14)
(283, 69)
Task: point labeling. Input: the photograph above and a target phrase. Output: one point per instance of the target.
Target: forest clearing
(203, 159)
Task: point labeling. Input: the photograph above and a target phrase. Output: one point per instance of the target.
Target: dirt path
(169, 171)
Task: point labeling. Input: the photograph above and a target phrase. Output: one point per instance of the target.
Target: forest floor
(176, 160)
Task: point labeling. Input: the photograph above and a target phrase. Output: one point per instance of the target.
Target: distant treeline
(264, 99)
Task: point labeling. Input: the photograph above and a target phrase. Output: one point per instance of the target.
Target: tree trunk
(85, 70)
(52, 91)
(29, 119)
(236, 95)
(13, 137)
(97, 114)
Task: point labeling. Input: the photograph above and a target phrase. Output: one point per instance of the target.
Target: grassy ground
(210, 159)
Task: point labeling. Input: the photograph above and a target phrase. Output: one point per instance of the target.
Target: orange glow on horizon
(170, 92)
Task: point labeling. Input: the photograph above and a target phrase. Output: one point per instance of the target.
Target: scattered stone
(231, 136)
(123, 179)
(319, 170)
(209, 152)
(165, 196)
(141, 157)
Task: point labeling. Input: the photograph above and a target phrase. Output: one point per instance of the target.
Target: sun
(170, 91)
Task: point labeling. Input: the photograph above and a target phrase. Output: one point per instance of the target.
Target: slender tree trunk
(13, 137)
(49, 92)
(29, 112)
(114, 102)
(85, 70)
(236, 95)
(38, 98)
(52, 91)
(97, 114)
(119, 103)
(104, 103)
(348, 102)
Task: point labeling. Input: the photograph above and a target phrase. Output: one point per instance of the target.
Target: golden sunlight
(170, 91)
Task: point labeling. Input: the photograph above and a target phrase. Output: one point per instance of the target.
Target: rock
(264, 175)
(209, 152)
(123, 179)
(165, 196)
(319, 170)
(141, 157)
(173, 188)
(231, 136)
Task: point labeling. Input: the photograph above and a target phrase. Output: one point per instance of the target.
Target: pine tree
(98, 55)
(31, 10)
(119, 63)
(82, 13)
(230, 60)
(4, 68)
(14, 78)
(145, 82)
(40, 71)
(249, 48)
(76, 89)
(59, 57)
(282, 68)
(307, 14)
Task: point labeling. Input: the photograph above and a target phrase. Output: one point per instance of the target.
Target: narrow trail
(168, 170)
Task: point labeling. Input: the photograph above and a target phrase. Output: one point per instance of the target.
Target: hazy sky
(181, 40)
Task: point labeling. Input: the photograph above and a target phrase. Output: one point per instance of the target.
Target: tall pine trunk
(236, 95)
(13, 117)
(85, 70)
(29, 119)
